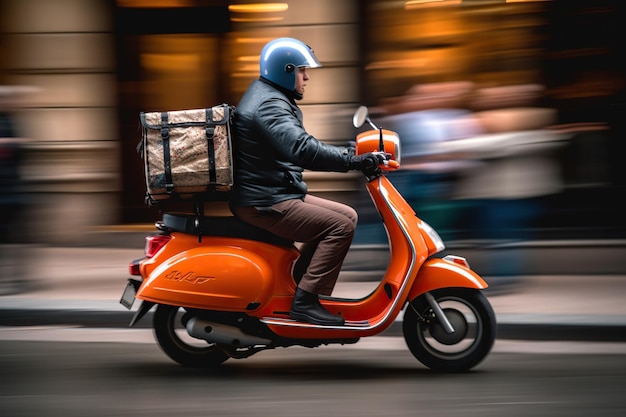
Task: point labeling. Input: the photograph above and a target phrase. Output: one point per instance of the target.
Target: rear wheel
(171, 334)
(472, 318)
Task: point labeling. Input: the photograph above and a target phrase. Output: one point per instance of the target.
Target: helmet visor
(310, 58)
(303, 58)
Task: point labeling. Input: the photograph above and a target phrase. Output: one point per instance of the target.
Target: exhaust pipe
(222, 334)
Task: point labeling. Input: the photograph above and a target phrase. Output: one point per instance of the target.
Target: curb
(100, 319)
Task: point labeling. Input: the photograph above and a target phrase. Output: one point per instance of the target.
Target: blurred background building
(92, 65)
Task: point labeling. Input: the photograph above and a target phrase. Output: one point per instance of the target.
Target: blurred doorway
(168, 58)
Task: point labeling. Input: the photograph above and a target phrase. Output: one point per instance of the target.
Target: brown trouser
(325, 228)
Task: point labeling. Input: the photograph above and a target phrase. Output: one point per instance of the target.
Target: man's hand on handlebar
(369, 163)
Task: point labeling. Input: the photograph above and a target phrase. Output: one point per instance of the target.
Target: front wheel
(169, 329)
(472, 319)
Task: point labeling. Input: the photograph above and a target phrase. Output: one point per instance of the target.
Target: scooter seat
(224, 226)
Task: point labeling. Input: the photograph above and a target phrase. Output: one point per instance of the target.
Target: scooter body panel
(222, 274)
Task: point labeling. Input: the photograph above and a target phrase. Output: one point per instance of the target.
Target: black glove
(368, 163)
(367, 160)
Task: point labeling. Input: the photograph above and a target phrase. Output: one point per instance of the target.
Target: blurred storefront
(564, 56)
(95, 64)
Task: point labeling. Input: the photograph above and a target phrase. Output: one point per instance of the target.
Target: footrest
(357, 323)
(292, 322)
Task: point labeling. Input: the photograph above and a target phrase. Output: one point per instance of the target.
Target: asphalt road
(62, 376)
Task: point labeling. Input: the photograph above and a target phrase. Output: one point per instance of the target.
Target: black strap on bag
(210, 134)
(165, 136)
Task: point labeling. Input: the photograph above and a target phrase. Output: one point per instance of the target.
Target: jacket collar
(292, 95)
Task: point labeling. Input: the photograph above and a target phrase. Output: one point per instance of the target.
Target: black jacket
(272, 148)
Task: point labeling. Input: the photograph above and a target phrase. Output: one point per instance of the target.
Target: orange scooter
(223, 289)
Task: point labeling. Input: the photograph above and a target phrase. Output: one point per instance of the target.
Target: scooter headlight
(369, 141)
(433, 240)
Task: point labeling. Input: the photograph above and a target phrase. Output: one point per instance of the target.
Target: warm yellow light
(253, 40)
(256, 19)
(248, 58)
(258, 7)
(410, 63)
(170, 62)
(248, 68)
(414, 4)
(246, 74)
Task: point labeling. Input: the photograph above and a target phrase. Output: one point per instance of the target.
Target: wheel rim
(466, 322)
(458, 322)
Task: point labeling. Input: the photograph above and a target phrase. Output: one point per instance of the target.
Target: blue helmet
(280, 58)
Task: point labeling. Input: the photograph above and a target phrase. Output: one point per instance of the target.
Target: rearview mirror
(360, 116)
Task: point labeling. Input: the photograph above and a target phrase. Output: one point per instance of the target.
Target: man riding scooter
(271, 151)
(236, 289)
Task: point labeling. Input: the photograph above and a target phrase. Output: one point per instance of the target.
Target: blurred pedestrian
(518, 170)
(426, 115)
(12, 199)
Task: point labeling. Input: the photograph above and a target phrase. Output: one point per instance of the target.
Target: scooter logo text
(190, 277)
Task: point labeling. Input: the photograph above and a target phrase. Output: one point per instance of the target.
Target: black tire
(474, 322)
(170, 332)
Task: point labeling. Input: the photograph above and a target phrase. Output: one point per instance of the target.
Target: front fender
(438, 273)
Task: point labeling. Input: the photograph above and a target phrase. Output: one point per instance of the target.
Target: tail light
(133, 267)
(154, 244)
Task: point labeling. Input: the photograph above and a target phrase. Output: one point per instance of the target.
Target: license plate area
(130, 291)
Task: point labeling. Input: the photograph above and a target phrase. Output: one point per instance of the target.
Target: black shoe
(306, 307)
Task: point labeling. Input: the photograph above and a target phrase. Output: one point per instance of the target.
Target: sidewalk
(82, 286)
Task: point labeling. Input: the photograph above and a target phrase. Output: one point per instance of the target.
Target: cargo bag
(186, 152)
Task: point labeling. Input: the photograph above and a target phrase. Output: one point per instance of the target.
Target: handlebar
(392, 164)
(389, 164)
